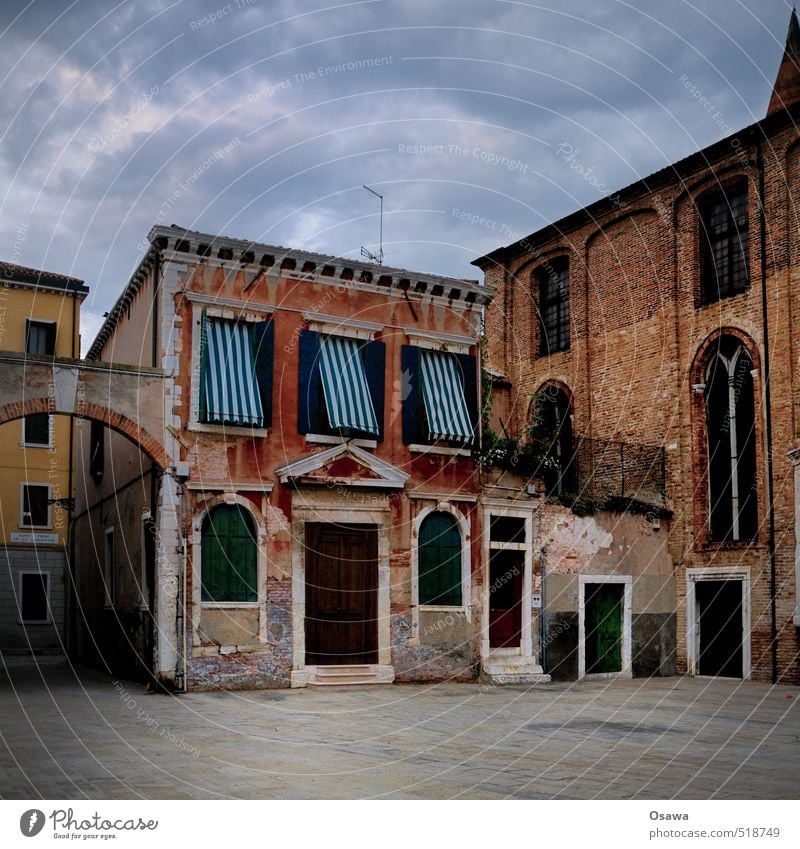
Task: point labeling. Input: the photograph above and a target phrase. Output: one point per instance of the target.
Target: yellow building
(39, 315)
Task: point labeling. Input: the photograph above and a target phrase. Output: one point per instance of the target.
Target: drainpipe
(543, 613)
(180, 617)
(773, 581)
(69, 595)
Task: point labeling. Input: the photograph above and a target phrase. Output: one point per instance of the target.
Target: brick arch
(114, 420)
(697, 371)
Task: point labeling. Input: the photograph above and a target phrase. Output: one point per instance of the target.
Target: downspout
(70, 590)
(773, 580)
(180, 618)
(543, 612)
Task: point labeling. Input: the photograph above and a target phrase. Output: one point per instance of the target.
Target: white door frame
(502, 509)
(335, 513)
(719, 573)
(627, 606)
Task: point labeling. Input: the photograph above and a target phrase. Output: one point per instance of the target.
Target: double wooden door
(341, 594)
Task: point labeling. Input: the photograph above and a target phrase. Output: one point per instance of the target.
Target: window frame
(97, 445)
(42, 573)
(463, 525)
(30, 526)
(709, 290)
(51, 328)
(255, 533)
(460, 347)
(241, 313)
(734, 535)
(543, 274)
(50, 432)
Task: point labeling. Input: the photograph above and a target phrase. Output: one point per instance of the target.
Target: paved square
(73, 733)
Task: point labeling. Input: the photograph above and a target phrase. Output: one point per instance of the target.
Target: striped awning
(443, 396)
(344, 383)
(228, 374)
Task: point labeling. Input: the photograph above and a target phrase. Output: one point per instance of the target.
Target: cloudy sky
(479, 120)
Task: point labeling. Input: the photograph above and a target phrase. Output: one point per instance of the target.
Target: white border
(466, 573)
(525, 648)
(22, 524)
(627, 605)
(47, 574)
(718, 573)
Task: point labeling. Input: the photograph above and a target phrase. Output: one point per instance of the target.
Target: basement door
(603, 627)
(341, 594)
(719, 611)
(506, 569)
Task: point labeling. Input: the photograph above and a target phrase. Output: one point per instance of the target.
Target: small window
(40, 337)
(109, 572)
(229, 556)
(34, 597)
(97, 451)
(553, 284)
(724, 243)
(35, 506)
(553, 423)
(36, 430)
(507, 529)
(439, 561)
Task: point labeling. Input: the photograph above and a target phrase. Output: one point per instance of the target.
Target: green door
(603, 625)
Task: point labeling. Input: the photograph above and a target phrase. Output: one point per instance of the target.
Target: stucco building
(658, 330)
(39, 321)
(324, 520)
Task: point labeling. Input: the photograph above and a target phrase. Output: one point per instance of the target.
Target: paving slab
(71, 732)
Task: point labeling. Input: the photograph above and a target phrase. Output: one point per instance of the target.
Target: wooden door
(341, 594)
(603, 627)
(506, 570)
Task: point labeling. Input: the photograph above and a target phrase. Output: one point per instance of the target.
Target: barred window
(553, 281)
(724, 241)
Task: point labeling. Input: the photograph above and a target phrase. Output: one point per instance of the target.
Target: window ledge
(327, 439)
(742, 545)
(36, 445)
(449, 608)
(446, 451)
(230, 605)
(232, 430)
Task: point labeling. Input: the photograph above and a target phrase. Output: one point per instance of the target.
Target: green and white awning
(344, 383)
(230, 391)
(443, 396)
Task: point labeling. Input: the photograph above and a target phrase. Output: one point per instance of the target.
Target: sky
(480, 121)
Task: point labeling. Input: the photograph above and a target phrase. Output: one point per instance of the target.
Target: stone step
(348, 675)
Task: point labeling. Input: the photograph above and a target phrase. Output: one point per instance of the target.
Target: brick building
(324, 521)
(657, 329)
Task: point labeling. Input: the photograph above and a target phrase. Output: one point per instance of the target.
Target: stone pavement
(72, 733)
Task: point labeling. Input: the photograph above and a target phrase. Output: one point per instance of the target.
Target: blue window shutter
(264, 351)
(375, 368)
(469, 371)
(308, 390)
(409, 368)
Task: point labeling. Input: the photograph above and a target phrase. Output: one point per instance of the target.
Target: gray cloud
(109, 111)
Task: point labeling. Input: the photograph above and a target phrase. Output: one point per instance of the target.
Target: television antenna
(375, 257)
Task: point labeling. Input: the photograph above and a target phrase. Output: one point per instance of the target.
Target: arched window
(229, 555)
(552, 279)
(730, 424)
(554, 422)
(440, 560)
(724, 239)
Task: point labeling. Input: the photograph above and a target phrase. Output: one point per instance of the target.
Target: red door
(341, 594)
(505, 598)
